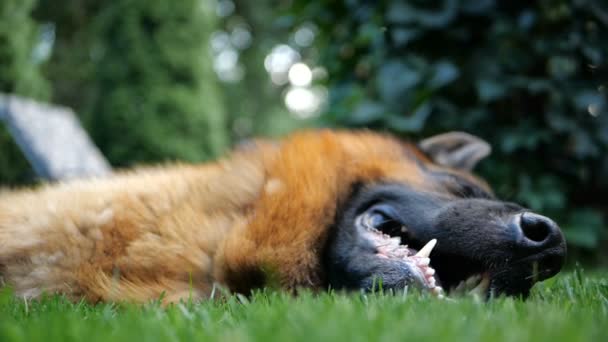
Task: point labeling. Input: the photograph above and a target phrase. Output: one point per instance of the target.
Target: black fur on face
(476, 234)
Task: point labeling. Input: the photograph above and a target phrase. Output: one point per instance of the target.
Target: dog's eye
(462, 187)
(467, 190)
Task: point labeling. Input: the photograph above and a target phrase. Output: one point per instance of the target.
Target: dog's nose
(538, 232)
(541, 237)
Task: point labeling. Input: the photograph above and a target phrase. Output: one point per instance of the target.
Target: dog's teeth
(430, 271)
(396, 241)
(423, 261)
(426, 250)
(438, 291)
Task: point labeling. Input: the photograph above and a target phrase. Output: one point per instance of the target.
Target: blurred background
(157, 80)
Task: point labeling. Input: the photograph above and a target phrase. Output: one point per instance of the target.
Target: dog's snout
(541, 239)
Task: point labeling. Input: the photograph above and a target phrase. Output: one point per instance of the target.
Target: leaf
(584, 228)
(402, 13)
(490, 90)
(401, 36)
(583, 145)
(526, 20)
(587, 98)
(445, 73)
(562, 67)
(395, 80)
(441, 18)
(476, 6)
(367, 33)
(538, 85)
(399, 13)
(410, 123)
(366, 113)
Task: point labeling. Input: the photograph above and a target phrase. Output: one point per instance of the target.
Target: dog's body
(132, 236)
(271, 212)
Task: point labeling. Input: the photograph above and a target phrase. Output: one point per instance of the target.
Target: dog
(346, 210)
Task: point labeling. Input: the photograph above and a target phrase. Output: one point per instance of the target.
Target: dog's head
(339, 208)
(425, 192)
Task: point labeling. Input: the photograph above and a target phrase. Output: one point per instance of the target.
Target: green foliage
(19, 74)
(137, 72)
(529, 77)
(139, 75)
(259, 110)
(14, 168)
(19, 62)
(570, 308)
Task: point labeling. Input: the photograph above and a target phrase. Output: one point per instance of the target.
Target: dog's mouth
(442, 271)
(428, 269)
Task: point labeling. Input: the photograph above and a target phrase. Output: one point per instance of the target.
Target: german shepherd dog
(317, 209)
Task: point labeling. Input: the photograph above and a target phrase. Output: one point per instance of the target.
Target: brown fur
(261, 215)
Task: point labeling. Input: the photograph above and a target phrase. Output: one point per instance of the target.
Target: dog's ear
(456, 149)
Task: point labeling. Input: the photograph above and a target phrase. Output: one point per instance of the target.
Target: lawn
(570, 307)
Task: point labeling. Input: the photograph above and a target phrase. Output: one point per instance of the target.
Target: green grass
(571, 307)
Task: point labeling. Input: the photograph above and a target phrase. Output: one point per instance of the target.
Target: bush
(259, 110)
(139, 75)
(19, 74)
(529, 77)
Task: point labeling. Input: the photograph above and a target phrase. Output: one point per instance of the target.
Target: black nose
(541, 242)
(538, 232)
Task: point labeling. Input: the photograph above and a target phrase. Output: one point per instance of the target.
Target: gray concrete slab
(52, 139)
